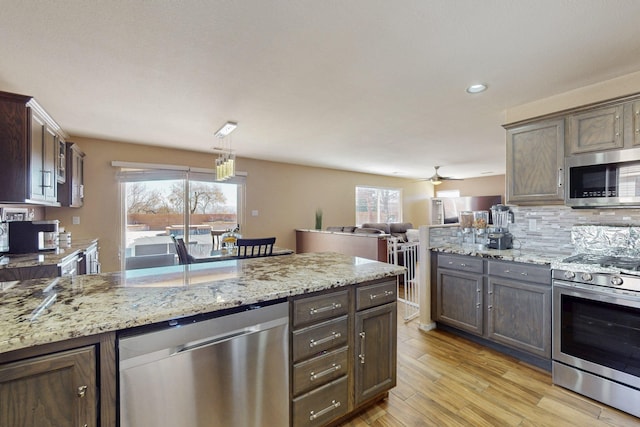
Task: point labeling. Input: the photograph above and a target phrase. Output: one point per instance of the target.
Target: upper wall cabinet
(636, 123)
(596, 130)
(30, 141)
(535, 159)
(71, 192)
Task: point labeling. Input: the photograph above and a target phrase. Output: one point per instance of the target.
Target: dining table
(205, 253)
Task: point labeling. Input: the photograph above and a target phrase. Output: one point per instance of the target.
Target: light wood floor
(444, 380)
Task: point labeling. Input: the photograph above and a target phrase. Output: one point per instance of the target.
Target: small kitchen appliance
(499, 236)
(33, 236)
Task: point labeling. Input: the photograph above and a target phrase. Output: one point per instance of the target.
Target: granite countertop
(518, 255)
(550, 258)
(50, 257)
(40, 311)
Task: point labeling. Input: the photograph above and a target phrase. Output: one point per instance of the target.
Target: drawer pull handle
(333, 306)
(462, 264)
(384, 294)
(507, 271)
(333, 336)
(361, 355)
(313, 415)
(333, 368)
(82, 390)
(524, 273)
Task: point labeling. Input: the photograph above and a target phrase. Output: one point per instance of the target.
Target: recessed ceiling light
(477, 88)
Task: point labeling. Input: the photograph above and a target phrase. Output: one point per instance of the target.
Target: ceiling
(366, 85)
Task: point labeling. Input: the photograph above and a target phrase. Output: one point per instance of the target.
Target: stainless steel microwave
(604, 179)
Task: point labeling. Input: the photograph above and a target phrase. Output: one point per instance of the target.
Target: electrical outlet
(76, 220)
(254, 212)
(532, 224)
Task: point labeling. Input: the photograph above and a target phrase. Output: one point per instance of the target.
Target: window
(375, 204)
(158, 204)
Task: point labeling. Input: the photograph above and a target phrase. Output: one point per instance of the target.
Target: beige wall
(484, 186)
(621, 86)
(285, 196)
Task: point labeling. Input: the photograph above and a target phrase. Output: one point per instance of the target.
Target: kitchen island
(45, 316)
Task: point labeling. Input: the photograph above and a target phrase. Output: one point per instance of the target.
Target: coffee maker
(33, 236)
(499, 236)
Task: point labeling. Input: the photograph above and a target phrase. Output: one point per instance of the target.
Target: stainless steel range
(596, 328)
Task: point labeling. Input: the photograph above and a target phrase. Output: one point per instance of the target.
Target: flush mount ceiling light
(477, 88)
(226, 129)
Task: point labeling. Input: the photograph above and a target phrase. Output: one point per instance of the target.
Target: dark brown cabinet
(319, 347)
(535, 162)
(29, 138)
(343, 352)
(71, 192)
(375, 345)
(53, 390)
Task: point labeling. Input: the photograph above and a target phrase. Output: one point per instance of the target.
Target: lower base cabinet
(54, 390)
(343, 351)
(375, 349)
(505, 302)
(322, 405)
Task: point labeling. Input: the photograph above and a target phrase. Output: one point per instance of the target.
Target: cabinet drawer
(461, 263)
(320, 307)
(319, 370)
(376, 294)
(322, 405)
(318, 338)
(520, 271)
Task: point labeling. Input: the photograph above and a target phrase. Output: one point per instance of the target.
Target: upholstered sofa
(395, 229)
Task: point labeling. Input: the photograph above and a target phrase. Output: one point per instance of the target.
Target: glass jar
(466, 220)
(229, 239)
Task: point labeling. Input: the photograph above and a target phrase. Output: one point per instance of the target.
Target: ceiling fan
(436, 178)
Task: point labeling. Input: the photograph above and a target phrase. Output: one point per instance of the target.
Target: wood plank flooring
(445, 380)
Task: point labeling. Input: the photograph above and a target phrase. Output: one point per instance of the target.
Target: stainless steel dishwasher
(223, 371)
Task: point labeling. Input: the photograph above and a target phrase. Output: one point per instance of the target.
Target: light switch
(76, 220)
(254, 212)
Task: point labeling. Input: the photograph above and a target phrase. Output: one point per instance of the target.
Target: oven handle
(600, 293)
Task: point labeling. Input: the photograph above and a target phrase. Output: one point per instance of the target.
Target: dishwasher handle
(206, 343)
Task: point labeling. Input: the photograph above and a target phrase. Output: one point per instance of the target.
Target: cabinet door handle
(46, 179)
(313, 415)
(333, 336)
(82, 391)
(384, 294)
(333, 306)
(361, 355)
(333, 368)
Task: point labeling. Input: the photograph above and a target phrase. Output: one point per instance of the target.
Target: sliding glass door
(189, 205)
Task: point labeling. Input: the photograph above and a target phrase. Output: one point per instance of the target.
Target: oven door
(597, 330)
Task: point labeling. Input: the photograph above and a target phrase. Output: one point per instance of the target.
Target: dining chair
(216, 239)
(252, 248)
(181, 250)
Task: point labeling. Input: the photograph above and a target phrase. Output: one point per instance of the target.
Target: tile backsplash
(548, 228)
